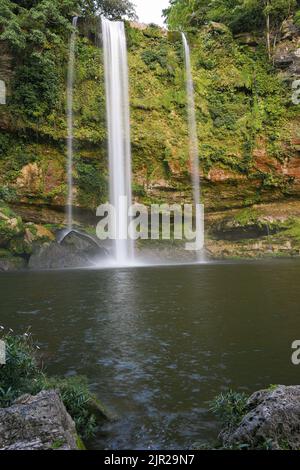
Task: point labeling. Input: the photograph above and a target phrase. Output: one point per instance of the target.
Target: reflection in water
(158, 343)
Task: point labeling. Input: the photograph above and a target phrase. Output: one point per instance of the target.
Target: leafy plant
(23, 374)
(230, 408)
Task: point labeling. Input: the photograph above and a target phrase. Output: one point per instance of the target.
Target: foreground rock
(273, 421)
(38, 422)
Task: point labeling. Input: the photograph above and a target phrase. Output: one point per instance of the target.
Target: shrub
(230, 408)
(7, 194)
(23, 374)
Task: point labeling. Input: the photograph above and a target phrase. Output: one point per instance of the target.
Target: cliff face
(247, 124)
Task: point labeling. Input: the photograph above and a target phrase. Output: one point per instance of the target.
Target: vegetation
(24, 374)
(243, 107)
(238, 15)
(230, 408)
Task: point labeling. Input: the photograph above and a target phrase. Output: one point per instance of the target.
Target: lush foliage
(239, 15)
(37, 32)
(242, 105)
(115, 9)
(23, 374)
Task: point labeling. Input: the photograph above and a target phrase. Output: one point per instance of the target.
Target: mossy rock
(10, 229)
(5, 254)
(19, 246)
(12, 263)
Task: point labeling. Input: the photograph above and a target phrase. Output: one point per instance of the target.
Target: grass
(230, 408)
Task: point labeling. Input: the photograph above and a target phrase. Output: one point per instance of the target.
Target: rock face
(287, 52)
(37, 423)
(12, 264)
(72, 251)
(273, 419)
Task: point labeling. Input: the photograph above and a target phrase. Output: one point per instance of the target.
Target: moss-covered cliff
(247, 124)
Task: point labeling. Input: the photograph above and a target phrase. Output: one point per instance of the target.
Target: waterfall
(70, 138)
(118, 123)
(193, 138)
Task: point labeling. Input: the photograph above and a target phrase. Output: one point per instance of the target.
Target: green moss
(80, 444)
(247, 217)
(241, 105)
(293, 229)
(58, 444)
(5, 253)
(18, 246)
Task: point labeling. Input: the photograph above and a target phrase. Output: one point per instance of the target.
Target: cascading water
(118, 123)
(193, 138)
(70, 138)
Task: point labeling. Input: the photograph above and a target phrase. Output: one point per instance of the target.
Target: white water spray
(118, 123)
(70, 138)
(193, 138)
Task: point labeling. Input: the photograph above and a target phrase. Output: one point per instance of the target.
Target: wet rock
(12, 264)
(56, 256)
(72, 250)
(38, 422)
(273, 420)
(80, 241)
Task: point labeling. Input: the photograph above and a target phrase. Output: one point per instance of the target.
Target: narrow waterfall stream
(70, 138)
(118, 124)
(193, 138)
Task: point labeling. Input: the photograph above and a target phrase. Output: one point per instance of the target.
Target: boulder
(38, 422)
(56, 256)
(273, 421)
(80, 241)
(72, 250)
(11, 263)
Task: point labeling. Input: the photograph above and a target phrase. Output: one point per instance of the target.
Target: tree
(240, 15)
(111, 9)
(273, 13)
(116, 9)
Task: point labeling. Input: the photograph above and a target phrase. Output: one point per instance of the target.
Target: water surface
(157, 343)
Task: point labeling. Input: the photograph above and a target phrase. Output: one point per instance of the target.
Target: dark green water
(158, 343)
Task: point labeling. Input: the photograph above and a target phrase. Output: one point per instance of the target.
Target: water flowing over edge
(70, 137)
(118, 126)
(193, 137)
